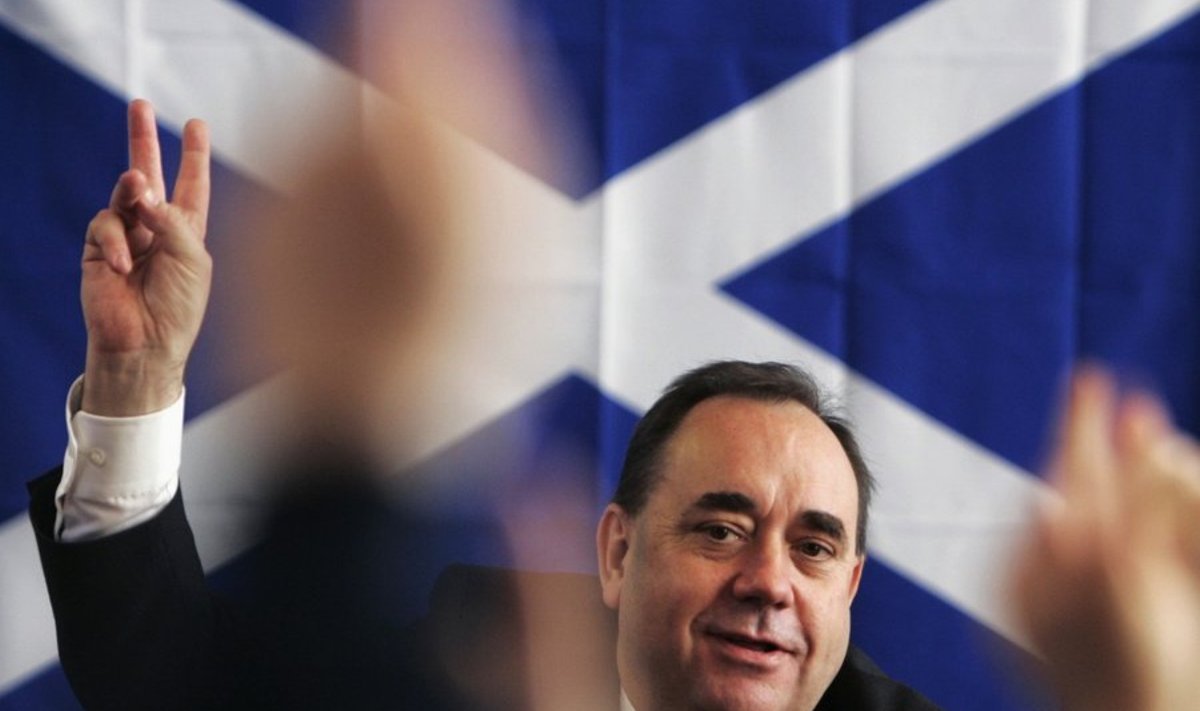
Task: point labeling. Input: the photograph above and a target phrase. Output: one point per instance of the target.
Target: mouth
(751, 647)
(759, 645)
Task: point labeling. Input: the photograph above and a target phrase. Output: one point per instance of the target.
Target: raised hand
(146, 275)
(1108, 586)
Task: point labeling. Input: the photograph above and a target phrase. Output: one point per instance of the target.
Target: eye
(815, 550)
(720, 533)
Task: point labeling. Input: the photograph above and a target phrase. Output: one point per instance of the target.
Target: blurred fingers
(1085, 468)
(1177, 458)
(1142, 428)
(1159, 478)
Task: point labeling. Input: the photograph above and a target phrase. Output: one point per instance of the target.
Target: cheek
(670, 591)
(828, 613)
(655, 587)
(649, 629)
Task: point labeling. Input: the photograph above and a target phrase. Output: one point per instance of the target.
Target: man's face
(733, 584)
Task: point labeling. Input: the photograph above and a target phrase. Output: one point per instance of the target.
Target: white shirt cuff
(117, 471)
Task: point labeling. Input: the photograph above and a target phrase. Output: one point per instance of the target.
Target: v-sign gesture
(146, 274)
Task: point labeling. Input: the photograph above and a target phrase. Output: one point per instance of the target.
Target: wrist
(126, 385)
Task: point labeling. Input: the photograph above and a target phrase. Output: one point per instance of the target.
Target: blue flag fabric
(939, 206)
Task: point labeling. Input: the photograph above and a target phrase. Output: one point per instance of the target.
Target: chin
(741, 695)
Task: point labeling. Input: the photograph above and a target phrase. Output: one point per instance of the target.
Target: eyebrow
(737, 502)
(731, 501)
(826, 523)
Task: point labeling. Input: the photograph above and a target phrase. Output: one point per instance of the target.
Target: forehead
(780, 454)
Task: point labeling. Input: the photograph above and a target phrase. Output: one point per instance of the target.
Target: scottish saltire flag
(937, 206)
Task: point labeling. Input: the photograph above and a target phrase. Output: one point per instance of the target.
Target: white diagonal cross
(644, 253)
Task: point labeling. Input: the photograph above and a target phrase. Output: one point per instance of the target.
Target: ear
(612, 546)
(856, 575)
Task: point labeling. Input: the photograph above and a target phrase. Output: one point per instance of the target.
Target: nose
(764, 576)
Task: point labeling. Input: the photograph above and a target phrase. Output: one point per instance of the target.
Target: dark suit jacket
(138, 627)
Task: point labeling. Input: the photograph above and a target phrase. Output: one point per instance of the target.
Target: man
(731, 552)
(734, 546)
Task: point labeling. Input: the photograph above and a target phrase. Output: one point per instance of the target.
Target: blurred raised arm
(1108, 584)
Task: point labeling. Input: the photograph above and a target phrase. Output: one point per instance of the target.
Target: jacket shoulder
(860, 685)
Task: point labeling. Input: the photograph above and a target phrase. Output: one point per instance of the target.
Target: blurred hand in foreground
(1108, 585)
(363, 283)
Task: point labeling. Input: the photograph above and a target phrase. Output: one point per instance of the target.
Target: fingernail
(150, 198)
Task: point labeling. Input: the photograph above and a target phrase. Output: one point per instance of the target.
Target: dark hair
(767, 382)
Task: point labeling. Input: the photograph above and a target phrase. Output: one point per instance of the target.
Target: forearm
(123, 385)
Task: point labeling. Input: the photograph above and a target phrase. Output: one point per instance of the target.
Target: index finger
(192, 183)
(144, 153)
